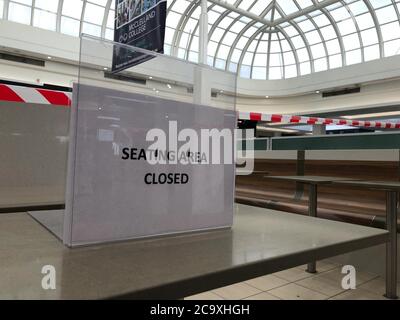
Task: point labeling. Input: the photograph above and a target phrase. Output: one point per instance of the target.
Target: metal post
(203, 34)
(312, 212)
(391, 245)
(201, 85)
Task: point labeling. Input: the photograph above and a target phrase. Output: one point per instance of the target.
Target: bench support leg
(391, 246)
(312, 212)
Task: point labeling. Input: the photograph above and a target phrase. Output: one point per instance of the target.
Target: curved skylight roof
(259, 39)
(71, 17)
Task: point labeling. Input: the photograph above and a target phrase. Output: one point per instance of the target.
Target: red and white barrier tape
(42, 96)
(277, 118)
(34, 95)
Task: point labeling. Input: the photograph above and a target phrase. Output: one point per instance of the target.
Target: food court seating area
(354, 205)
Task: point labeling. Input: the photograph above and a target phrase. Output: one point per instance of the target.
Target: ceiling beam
(300, 13)
(241, 12)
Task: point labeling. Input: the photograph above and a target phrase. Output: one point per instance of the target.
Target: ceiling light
(317, 91)
(267, 97)
(169, 86)
(221, 91)
(49, 58)
(372, 115)
(105, 68)
(150, 78)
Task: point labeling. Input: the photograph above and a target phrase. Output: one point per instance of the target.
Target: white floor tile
(293, 274)
(267, 282)
(377, 286)
(322, 284)
(209, 295)
(293, 291)
(358, 294)
(297, 284)
(263, 296)
(237, 291)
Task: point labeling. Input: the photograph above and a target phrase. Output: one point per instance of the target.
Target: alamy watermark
(349, 281)
(196, 147)
(49, 278)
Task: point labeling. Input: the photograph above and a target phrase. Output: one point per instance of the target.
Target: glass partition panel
(159, 75)
(151, 147)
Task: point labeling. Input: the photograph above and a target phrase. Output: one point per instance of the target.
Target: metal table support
(392, 190)
(312, 182)
(391, 246)
(312, 212)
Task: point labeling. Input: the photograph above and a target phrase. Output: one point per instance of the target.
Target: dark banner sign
(139, 23)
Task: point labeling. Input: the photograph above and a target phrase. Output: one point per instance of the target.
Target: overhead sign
(142, 166)
(139, 23)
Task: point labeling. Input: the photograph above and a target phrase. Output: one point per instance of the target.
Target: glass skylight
(259, 39)
(1, 8)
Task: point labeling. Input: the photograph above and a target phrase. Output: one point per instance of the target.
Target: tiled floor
(296, 284)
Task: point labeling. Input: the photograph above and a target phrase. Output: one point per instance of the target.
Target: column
(201, 86)
(203, 33)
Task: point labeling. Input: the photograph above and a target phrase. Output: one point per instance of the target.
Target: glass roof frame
(259, 39)
(271, 26)
(107, 6)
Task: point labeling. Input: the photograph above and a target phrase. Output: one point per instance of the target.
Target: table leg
(391, 246)
(312, 212)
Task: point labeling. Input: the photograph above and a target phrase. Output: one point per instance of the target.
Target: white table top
(261, 242)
